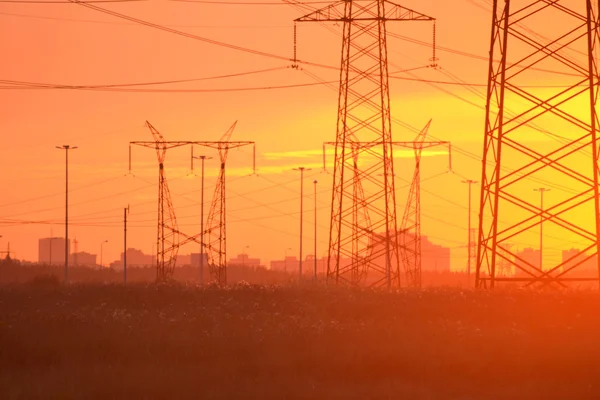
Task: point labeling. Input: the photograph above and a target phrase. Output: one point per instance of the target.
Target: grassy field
(258, 342)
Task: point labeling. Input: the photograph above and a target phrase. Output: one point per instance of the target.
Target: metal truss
(365, 194)
(374, 248)
(168, 237)
(549, 41)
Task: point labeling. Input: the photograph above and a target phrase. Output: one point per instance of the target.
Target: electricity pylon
(519, 59)
(217, 215)
(168, 242)
(366, 193)
(410, 237)
(359, 271)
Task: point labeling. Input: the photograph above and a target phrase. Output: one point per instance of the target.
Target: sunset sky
(69, 44)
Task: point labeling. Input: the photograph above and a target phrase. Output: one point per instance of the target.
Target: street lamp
(66, 148)
(301, 169)
(50, 256)
(315, 253)
(202, 158)
(102, 244)
(285, 259)
(244, 255)
(542, 191)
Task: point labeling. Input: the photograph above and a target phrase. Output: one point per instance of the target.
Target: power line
(192, 36)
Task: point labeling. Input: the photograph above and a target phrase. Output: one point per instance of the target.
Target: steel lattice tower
(410, 236)
(363, 182)
(531, 40)
(167, 240)
(217, 218)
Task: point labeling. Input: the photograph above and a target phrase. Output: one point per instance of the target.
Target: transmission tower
(563, 46)
(365, 193)
(408, 238)
(217, 215)
(168, 242)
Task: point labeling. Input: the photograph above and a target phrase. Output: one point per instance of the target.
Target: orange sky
(69, 44)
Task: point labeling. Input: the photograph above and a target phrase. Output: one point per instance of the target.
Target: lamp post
(315, 253)
(202, 158)
(542, 191)
(285, 259)
(66, 148)
(50, 256)
(469, 182)
(101, 250)
(301, 169)
(244, 255)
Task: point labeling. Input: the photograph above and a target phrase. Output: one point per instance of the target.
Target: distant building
(83, 259)
(135, 258)
(51, 251)
(183, 259)
(579, 265)
(244, 260)
(434, 257)
(527, 260)
(289, 264)
(195, 259)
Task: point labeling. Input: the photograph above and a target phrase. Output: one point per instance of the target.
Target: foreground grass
(101, 342)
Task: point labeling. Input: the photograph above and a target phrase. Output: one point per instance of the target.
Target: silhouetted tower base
(363, 177)
(544, 136)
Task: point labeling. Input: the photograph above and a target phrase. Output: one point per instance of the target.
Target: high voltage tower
(410, 230)
(168, 233)
(167, 241)
(363, 200)
(408, 237)
(216, 223)
(531, 41)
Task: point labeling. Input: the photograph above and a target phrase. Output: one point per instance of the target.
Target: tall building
(83, 259)
(135, 258)
(288, 264)
(578, 264)
(244, 260)
(195, 259)
(434, 257)
(525, 257)
(51, 251)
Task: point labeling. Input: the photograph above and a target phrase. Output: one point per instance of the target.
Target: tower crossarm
(336, 12)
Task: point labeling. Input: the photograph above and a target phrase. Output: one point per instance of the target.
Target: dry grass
(147, 341)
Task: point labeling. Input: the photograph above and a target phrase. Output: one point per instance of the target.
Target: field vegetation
(178, 341)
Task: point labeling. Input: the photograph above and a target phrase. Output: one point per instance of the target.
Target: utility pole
(301, 169)
(285, 259)
(125, 212)
(244, 255)
(168, 232)
(542, 190)
(469, 182)
(101, 252)
(66, 148)
(202, 158)
(315, 256)
(364, 116)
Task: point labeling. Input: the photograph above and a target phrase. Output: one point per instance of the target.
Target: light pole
(301, 169)
(66, 148)
(101, 250)
(244, 255)
(201, 267)
(469, 182)
(50, 261)
(542, 191)
(285, 259)
(315, 253)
